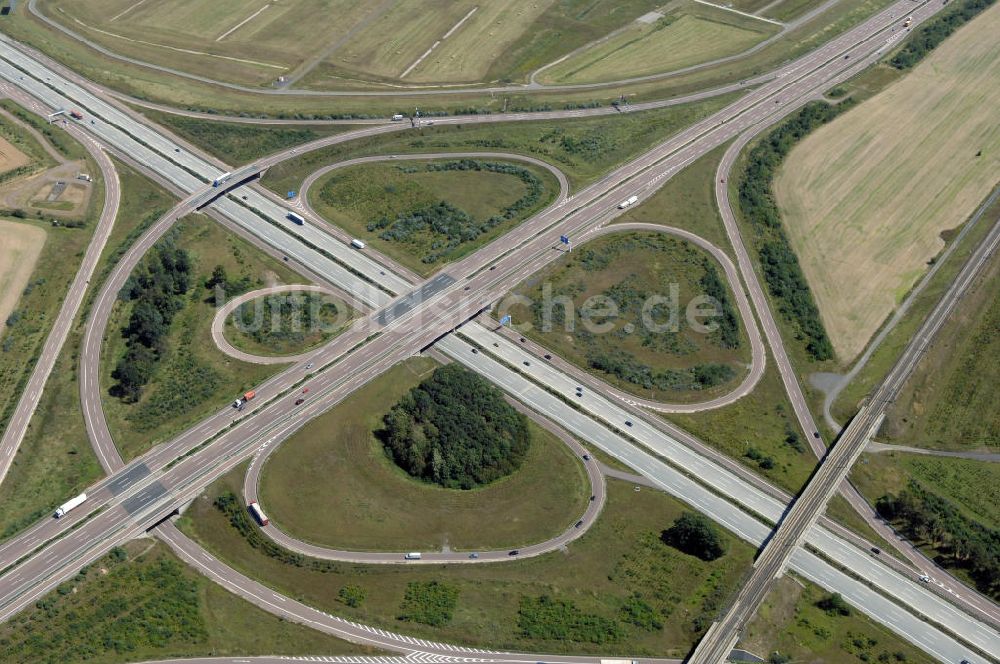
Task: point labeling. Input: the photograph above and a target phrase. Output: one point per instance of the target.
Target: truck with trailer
(631, 200)
(297, 218)
(241, 403)
(222, 178)
(258, 513)
(69, 505)
(76, 115)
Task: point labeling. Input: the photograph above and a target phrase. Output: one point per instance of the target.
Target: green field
(140, 602)
(950, 400)
(395, 207)
(619, 556)
(974, 485)
(55, 459)
(194, 378)
(333, 484)
(287, 323)
(687, 37)
(666, 359)
(790, 623)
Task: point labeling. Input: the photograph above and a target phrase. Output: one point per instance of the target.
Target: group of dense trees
(456, 430)
(936, 30)
(450, 226)
(782, 271)
(695, 535)
(728, 333)
(959, 541)
(156, 289)
(624, 366)
(284, 321)
(227, 287)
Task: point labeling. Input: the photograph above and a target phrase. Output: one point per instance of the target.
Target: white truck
(631, 200)
(70, 504)
(397, 117)
(258, 513)
(357, 244)
(222, 178)
(413, 555)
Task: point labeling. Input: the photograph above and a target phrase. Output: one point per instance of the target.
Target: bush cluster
(959, 541)
(695, 535)
(428, 602)
(779, 263)
(624, 366)
(156, 289)
(456, 430)
(549, 619)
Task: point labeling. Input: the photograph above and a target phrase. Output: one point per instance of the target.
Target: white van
(397, 117)
(413, 555)
(357, 244)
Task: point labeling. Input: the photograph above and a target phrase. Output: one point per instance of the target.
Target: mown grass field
(680, 39)
(333, 484)
(620, 555)
(950, 400)
(20, 246)
(355, 198)
(55, 459)
(287, 323)
(193, 378)
(141, 602)
(790, 623)
(629, 269)
(866, 197)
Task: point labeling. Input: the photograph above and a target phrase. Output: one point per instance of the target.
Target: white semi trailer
(70, 504)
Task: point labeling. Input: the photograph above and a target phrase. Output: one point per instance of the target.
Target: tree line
(959, 541)
(782, 272)
(936, 30)
(455, 429)
(156, 288)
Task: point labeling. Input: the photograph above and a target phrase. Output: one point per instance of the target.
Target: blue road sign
(505, 320)
(291, 195)
(564, 239)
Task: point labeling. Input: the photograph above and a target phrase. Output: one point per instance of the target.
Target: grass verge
(598, 575)
(140, 602)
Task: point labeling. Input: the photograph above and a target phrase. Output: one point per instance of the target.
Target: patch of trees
(728, 333)
(959, 541)
(456, 430)
(226, 287)
(449, 225)
(156, 289)
(286, 320)
(936, 30)
(548, 619)
(428, 602)
(624, 366)
(695, 535)
(834, 605)
(779, 263)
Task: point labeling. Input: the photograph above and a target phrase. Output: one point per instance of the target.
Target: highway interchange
(138, 496)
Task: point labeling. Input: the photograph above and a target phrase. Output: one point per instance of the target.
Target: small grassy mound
(286, 323)
(620, 306)
(456, 430)
(333, 484)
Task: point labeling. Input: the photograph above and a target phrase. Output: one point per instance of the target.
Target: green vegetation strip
(936, 30)
(780, 266)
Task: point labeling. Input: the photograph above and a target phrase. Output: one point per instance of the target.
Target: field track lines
(438, 42)
(126, 11)
(737, 11)
(242, 23)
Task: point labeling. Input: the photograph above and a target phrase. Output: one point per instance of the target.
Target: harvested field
(20, 246)
(866, 198)
(11, 157)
